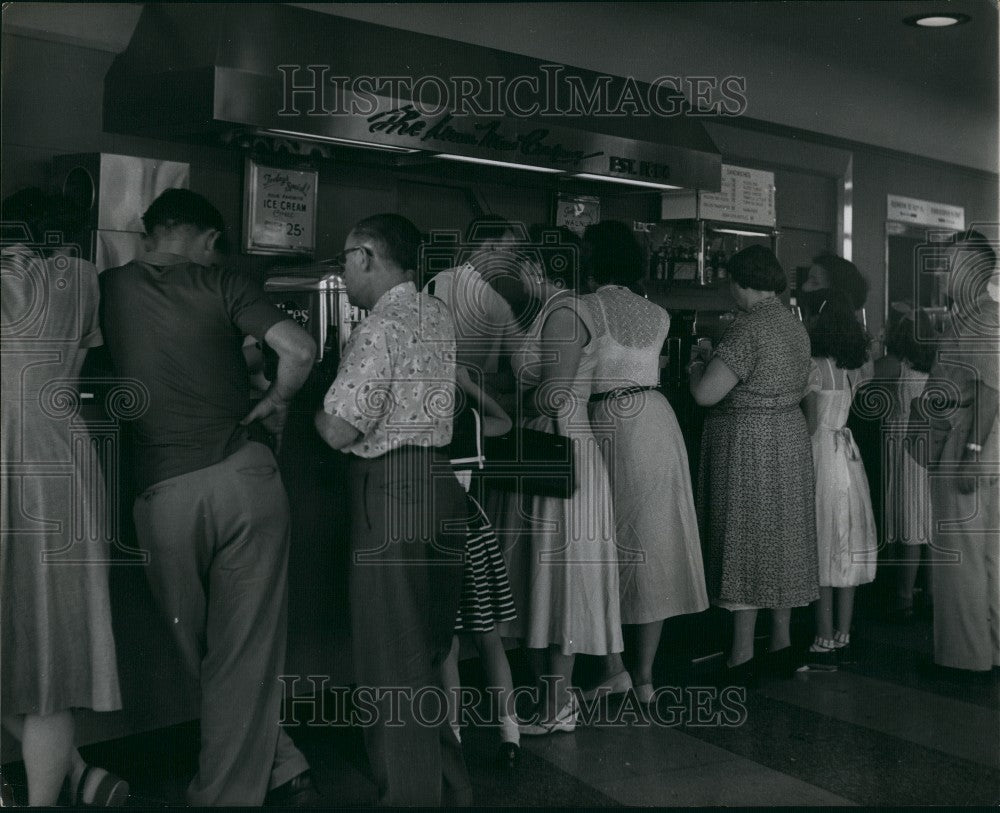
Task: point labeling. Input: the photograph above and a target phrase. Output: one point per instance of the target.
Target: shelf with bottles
(695, 253)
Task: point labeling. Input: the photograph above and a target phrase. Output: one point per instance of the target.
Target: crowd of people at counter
(552, 349)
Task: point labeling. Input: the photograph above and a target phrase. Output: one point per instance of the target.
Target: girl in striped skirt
(486, 595)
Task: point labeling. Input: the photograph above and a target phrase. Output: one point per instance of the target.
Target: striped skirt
(486, 597)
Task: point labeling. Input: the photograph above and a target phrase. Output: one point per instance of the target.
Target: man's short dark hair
(757, 268)
(398, 239)
(182, 207)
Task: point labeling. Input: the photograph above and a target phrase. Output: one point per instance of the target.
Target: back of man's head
(181, 207)
(396, 239)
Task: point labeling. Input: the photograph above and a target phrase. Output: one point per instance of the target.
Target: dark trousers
(407, 539)
(218, 540)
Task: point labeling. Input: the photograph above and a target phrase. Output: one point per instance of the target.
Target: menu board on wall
(279, 210)
(747, 196)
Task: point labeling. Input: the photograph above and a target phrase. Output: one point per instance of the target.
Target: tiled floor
(882, 731)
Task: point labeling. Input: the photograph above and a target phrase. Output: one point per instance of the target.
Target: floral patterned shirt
(396, 380)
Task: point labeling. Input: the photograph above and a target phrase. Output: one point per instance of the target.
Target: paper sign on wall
(279, 210)
(747, 196)
(576, 212)
(925, 213)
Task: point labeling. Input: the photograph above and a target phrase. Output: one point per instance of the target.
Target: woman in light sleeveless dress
(659, 551)
(845, 525)
(908, 493)
(572, 596)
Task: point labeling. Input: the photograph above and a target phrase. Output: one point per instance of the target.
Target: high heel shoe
(564, 721)
(618, 683)
(743, 674)
(782, 663)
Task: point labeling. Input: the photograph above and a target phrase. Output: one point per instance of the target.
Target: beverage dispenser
(316, 298)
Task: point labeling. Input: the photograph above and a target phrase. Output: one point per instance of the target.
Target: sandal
(565, 721)
(97, 788)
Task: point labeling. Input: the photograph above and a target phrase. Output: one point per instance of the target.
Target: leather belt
(621, 392)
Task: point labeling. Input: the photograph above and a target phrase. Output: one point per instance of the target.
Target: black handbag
(530, 462)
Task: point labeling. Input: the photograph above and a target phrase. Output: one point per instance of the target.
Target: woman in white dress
(660, 568)
(908, 494)
(572, 595)
(845, 525)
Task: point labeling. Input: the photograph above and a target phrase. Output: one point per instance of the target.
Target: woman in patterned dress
(756, 493)
(572, 595)
(656, 527)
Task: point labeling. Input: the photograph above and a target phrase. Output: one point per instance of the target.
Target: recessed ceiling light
(942, 20)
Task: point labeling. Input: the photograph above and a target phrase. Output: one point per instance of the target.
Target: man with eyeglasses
(390, 407)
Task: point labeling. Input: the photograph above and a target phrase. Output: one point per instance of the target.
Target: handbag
(530, 462)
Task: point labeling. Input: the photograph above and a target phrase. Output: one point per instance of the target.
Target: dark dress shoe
(298, 792)
(782, 663)
(509, 756)
(846, 655)
(743, 674)
(903, 615)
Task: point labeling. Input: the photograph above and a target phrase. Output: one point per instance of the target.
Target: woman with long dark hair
(845, 525)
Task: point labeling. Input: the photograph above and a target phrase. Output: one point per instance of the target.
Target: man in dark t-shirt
(213, 516)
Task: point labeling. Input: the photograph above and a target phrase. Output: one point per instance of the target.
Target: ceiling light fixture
(588, 176)
(741, 232)
(937, 20)
(489, 162)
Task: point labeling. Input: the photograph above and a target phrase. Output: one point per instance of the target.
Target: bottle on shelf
(721, 274)
(654, 263)
(793, 305)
